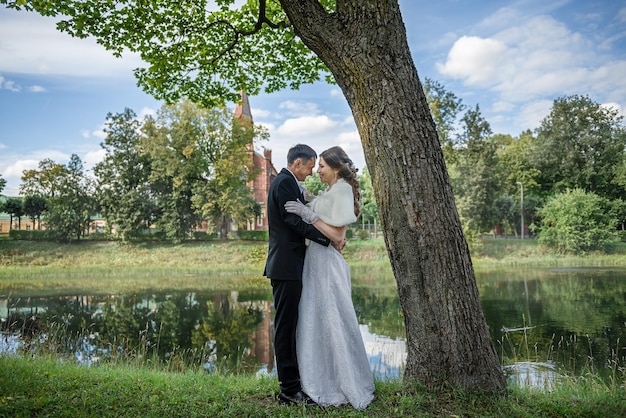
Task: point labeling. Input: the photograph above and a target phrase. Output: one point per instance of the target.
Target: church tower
(261, 163)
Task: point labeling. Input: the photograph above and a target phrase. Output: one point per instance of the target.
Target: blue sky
(513, 58)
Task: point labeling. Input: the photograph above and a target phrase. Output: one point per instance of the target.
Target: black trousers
(286, 300)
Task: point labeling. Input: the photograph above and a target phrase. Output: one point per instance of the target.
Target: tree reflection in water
(177, 329)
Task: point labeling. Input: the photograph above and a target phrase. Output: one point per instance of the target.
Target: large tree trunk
(364, 44)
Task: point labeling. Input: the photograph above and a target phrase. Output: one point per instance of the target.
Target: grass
(515, 252)
(44, 387)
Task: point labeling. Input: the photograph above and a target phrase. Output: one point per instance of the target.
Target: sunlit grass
(498, 252)
(45, 387)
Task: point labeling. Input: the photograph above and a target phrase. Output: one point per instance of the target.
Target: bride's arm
(335, 233)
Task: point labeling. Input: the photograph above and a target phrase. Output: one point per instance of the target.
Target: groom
(285, 260)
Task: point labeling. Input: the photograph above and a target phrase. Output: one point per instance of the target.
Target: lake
(544, 322)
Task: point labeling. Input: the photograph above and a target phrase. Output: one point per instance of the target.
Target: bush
(253, 235)
(204, 236)
(576, 222)
(100, 236)
(33, 235)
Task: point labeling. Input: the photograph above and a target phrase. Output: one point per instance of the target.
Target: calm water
(543, 322)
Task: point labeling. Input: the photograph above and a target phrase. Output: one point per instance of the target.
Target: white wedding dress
(333, 363)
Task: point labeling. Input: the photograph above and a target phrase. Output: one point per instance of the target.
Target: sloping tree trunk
(364, 44)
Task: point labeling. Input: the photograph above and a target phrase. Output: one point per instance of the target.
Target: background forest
(566, 180)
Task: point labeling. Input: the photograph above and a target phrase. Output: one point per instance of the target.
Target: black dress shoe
(299, 398)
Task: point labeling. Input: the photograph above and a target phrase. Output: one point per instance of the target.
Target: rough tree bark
(365, 46)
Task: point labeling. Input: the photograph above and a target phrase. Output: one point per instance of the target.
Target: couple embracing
(320, 355)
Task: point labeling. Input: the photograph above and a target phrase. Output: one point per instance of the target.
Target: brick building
(261, 162)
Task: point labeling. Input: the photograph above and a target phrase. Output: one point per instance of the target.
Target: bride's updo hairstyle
(337, 158)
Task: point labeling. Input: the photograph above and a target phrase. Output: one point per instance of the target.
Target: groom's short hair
(300, 151)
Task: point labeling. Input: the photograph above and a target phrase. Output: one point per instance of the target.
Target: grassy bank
(44, 387)
(496, 252)
(223, 265)
(235, 256)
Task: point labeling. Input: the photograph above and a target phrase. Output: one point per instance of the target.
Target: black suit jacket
(287, 231)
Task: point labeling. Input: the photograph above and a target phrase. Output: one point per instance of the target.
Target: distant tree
(577, 222)
(14, 206)
(68, 216)
(34, 207)
(68, 193)
(506, 212)
(580, 144)
(314, 185)
(514, 167)
(225, 194)
(3, 183)
(474, 173)
(619, 212)
(444, 107)
(43, 181)
(124, 192)
(369, 208)
(514, 164)
(201, 167)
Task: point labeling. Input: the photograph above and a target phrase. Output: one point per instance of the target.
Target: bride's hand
(302, 211)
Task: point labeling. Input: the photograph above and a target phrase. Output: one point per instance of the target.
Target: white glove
(302, 211)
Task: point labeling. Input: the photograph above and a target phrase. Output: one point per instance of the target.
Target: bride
(333, 364)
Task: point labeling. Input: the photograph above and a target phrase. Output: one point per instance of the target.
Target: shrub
(253, 235)
(576, 222)
(204, 236)
(32, 235)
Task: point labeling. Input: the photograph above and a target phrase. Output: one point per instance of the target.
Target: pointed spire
(243, 107)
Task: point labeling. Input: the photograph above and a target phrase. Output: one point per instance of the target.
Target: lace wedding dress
(333, 363)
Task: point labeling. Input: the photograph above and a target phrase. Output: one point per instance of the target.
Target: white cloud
(528, 61)
(16, 168)
(473, 59)
(306, 126)
(351, 144)
(9, 85)
(29, 44)
(260, 113)
(100, 134)
(14, 87)
(502, 106)
(299, 108)
(91, 158)
(533, 113)
(320, 132)
(621, 110)
(146, 111)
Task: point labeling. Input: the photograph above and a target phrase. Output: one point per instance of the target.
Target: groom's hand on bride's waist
(339, 246)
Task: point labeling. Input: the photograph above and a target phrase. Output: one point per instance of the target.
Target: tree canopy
(580, 144)
(190, 47)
